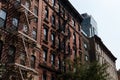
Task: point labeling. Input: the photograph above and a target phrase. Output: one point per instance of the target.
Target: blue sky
(107, 15)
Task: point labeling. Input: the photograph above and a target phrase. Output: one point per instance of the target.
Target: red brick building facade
(36, 36)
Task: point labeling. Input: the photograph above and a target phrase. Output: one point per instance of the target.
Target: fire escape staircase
(20, 8)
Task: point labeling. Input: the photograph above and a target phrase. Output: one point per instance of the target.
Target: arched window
(32, 60)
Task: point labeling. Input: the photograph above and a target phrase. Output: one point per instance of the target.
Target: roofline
(69, 7)
(109, 53)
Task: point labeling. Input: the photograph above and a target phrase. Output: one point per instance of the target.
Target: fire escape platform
(27, 36)
(33, 71)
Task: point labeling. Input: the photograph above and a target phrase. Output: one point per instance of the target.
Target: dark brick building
(36, 36)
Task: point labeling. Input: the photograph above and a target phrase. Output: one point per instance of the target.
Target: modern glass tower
(89, 25)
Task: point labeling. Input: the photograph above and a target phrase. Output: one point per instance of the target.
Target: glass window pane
(3, 14)
(11, 50)
(25, 28)
(34, 33)
(15, 22)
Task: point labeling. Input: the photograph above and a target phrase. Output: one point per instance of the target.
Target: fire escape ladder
(26, 16)
(26, 50)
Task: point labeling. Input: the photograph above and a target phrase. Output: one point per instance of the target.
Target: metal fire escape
(15, 69)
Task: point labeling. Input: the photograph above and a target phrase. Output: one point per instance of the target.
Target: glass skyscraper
(89, 25)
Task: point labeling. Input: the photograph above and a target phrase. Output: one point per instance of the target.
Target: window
(27, 5)
(15, 23)
(80, 55)
(59, 24)
(53, 2)
(75, 53)
(59, 43)
(1, 47)
(59, 63)
(25, 28)
(85, 46)
(34, 34)
(45, 34)
(23, 58)
(53, 39)
(86, 58)
(46, 13)
(33, 59)
(74, 38)
(35, 11)
(53, 20)
(44, 76)
(73, 23)
(68, 50)
(11, 54)
(69, 33)
(63, 66)
(53, 59)
(63, 12)
(79, 28)
(11, 51)
(45, 55)
(2, 18)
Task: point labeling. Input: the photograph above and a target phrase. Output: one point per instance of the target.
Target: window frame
(23, 58)
(45, 33)
(45, 56)
(3, 19)
(35, 10)
(46, 13)
(53, 22)
(32, 61)
(34, 33)
(15, 23)
(53, 2)
(52, 59)
(44, 76)
(53, 39)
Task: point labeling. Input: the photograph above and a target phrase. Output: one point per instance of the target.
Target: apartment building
(36, 36)
(85, 49)
(102, 54)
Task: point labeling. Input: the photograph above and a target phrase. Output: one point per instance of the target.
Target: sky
(107, 15)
